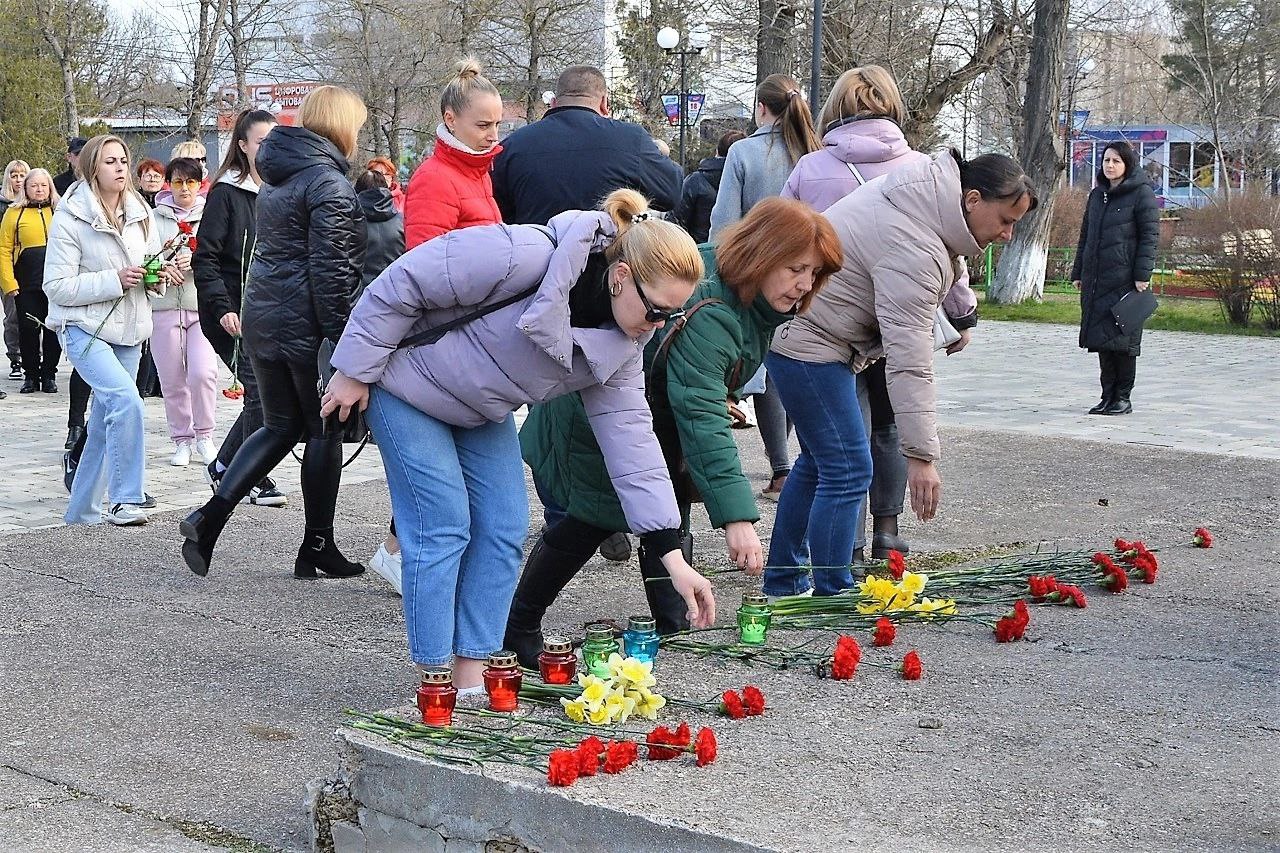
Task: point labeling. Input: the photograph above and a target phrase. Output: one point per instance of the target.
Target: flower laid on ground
(845, 660)
(704, 746)
(753, 698)
(1010, 628)
(619, 755)
(591, 755)
(749, 704)
(881, 595)
(1112, 575)
(885, 632)
(912, 669)
(562, 767)
(1042, 586)
(665, 744)
(1069, 594)
(1203, 538)
(589, 752)
(615, 699)
(897, 565)
(1139, 556)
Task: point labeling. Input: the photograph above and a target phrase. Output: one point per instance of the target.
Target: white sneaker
(181, 455)
(388, 565)
(206, 450)
(126, 515)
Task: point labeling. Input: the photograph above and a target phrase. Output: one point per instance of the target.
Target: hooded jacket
(82, 264)
(310, 249)
(756, 168)
(699, 197)
(224, 249)
(451, 189)
(21, 228)
(385, 227)
(902, 235)
(166, 216)
(522, 354)
(1119, 236)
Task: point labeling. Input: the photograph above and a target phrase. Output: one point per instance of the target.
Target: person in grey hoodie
(553, 309)
(862, 140)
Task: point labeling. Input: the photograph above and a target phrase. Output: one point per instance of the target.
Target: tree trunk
(210, 24)
(239, 52)
(62, 47)
(1020, 272)
(774, 47)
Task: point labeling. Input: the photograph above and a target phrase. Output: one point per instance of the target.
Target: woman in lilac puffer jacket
(599, 284)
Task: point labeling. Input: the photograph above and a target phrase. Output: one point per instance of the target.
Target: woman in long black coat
(1115, 256)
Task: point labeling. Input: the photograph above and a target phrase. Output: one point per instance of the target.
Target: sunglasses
(184, 182)
(653, 314)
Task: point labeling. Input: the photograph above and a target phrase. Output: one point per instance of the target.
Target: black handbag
(1133, 309)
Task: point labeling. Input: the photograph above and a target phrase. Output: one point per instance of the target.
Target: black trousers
(291, 413)
(1119, 371)
(41, 351)
(79, 404)
(249, 420)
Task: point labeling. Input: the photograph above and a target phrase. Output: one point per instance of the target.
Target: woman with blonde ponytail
(532, 312)
(452, 188)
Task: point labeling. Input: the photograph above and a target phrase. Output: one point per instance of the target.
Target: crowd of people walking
(570, 267)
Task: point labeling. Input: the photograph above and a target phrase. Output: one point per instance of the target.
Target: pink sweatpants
(188, 370)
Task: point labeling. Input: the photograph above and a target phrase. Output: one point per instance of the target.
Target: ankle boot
(1118, 406)
(201, 530)
(1101, 408)
(318, 553)
(546, 573)
(883, 543)
(667, 606)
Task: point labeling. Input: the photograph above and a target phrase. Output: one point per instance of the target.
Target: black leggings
(249, 420)
(291, 413)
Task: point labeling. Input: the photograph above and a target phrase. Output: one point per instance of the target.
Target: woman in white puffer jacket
(99, 239)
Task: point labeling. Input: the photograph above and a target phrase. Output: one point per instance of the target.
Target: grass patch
(1175, 314)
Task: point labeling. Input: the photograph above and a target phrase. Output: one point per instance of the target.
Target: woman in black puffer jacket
(307, 264)
(1115, 256)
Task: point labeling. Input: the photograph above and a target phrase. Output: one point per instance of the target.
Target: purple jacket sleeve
(623, 426)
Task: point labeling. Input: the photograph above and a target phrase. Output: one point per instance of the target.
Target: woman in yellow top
(24, 231)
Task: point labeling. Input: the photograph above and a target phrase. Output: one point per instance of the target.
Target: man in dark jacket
(576, 155)
(700, 189)
(63, 181)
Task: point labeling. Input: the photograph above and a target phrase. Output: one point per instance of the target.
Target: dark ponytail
(782, 96)
(995, 176)
(236, 160)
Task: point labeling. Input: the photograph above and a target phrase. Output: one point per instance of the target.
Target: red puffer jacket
(450, 190)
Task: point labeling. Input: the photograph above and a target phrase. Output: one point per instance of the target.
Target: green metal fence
(1057, 274)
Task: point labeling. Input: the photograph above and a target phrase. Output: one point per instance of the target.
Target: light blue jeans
(114, 456)
(462, 516)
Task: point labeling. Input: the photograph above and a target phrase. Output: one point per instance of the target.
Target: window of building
(1204, 166)
(1179, 165)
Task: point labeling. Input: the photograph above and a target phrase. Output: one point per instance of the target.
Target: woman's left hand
(744, 547)
(342, 395)
(184, 262)
(965, 337)
(174, 273)
(1141, 285)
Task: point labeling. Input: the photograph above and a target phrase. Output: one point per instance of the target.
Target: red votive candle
(436, 697)
(502, 680)
(557, 662)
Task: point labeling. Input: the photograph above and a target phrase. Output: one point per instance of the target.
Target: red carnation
(185, 227)
(682, 735)
(1042, 586)
(705, 747)
(848, 654)
(589, 755)
(885, 632)
(659, 742)
(1203, 538)
(912, 669)
(1067, 592)
(897, 565)
(1123, 545)
(191, 244)
(562, 770)
(619, 755)
(233, 393)
(1006, 630)
(754, 700)
(731, 705)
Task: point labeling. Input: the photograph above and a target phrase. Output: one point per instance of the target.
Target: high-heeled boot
(546, 573)
(318, 554)
(201, 530)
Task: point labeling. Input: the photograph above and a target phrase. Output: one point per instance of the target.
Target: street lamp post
(668, 38)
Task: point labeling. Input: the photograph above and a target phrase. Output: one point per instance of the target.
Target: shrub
(1237, 240)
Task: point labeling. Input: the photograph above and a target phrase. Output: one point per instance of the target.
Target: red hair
(777, 231)
(149, 165)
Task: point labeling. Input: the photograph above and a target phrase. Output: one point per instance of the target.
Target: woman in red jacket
(452, 188)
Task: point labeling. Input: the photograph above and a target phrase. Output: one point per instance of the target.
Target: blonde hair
(13, 166)
(335, 113)
(867, 91)
(468, 79)
(652, 247)
(89, 157)
(23, 201)
(192, 148)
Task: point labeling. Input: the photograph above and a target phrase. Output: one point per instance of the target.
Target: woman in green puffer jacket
(765, 270)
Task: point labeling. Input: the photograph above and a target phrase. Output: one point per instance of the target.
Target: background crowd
(560, 269)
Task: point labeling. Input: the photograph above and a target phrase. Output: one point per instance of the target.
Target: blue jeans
(462, 516)
(114, 456)
(822, 498)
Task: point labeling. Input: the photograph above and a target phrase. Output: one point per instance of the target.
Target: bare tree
(205, 33)
(70, 28)
(1020, 272)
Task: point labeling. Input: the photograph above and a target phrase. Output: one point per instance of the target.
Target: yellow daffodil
(620, 707)
(594, 691)
(637, 673)
(574, 709)
(648, 704)
(866, 608)
(913, 582)
(598, 716)
(877, 588)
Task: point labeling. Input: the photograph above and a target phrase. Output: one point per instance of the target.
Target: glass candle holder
(151, 268)
(436, 697)
(640, 640)
(599, 644)
(502, 680)
(753, 619)
(557, 662)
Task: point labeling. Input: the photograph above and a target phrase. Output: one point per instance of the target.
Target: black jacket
(386, 234)
(224, 248)
(1118, 241)
(574, 157)
(310, 252)
(699, 196)
(63, 180)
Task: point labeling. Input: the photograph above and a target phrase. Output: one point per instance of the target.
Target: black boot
(1118, 406)
(1101, 408)
(667, 606)
(31, 386)
(883, 542)
(201, 530)
(545, 574)
(318, 553)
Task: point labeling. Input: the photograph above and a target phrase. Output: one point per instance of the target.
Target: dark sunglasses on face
(653, 314)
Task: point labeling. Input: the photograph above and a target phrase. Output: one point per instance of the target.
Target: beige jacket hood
(902, 236)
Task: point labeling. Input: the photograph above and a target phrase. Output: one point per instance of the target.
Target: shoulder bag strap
(657, 368)
(857, 176)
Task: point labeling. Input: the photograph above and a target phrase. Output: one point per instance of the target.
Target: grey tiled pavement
(1212, 394)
